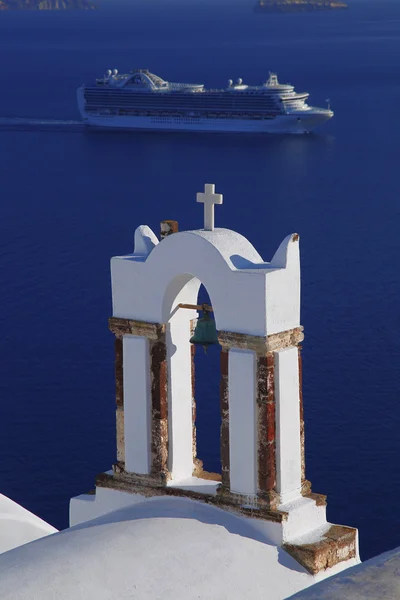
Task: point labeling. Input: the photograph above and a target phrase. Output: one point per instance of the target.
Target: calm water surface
(70, 200)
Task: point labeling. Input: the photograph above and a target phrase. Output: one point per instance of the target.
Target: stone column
(142, 397)
(238, 412)
(273, 408)
(243, 423)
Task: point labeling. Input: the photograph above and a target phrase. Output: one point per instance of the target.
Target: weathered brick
(261, 344)
(224, 397)
(119, 373)
(120, 435)
(159, 446)
(167, 228)
(337, 544)
(302, 428)
(266, 428)
(270, 360)
(270, 416)
(266, 467)
(225, 452)
(265, 378)
(224, 363)
(158, 376)
(121, 327)
(159, 405)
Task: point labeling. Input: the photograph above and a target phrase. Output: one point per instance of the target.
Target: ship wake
(25, 124)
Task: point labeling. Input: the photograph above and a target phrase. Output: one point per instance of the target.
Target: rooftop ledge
(195, 484)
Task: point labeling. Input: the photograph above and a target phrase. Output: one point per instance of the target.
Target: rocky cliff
(46, 5)
(270, 6)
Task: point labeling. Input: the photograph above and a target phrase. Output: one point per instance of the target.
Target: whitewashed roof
(169, 548)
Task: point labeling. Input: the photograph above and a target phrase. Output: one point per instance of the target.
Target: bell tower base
(299, 527)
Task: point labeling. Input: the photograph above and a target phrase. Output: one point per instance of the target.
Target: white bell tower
(256, 305)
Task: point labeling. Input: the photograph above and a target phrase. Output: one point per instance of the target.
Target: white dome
(19, 526)
(169, 548)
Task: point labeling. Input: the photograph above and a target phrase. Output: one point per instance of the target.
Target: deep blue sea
(71, 199)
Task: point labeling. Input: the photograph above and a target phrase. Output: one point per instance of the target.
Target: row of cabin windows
(194, 105)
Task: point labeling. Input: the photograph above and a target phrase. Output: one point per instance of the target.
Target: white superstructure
(142, 100)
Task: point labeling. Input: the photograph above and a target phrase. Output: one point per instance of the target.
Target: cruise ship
(141, 100)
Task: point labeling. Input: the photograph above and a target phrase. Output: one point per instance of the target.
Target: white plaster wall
(90, 506)
(137, 405)
(180, 395)
(181, 289)
(283, 288)
(288, 448)
(229, 267)
(242, 421)
(139, 287)
(304, 517)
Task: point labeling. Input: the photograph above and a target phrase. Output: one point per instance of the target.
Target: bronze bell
(205, 333)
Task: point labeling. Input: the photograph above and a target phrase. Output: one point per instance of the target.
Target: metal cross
(209, 198)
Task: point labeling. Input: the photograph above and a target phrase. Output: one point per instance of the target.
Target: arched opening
(207, 400)
(193, 431)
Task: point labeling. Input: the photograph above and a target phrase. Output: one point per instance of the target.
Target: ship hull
(297, 123)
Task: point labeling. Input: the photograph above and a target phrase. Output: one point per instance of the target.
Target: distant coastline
(47, 5)
(273, 6)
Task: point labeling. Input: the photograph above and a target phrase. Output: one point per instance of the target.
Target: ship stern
(80, 96)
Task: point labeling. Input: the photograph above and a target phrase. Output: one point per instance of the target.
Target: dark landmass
(47, 5)
(273, 6)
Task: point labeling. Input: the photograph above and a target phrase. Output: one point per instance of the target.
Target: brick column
(266, 429)
(305, 484)
(119, 397)
(159, 405)
(159, 387)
